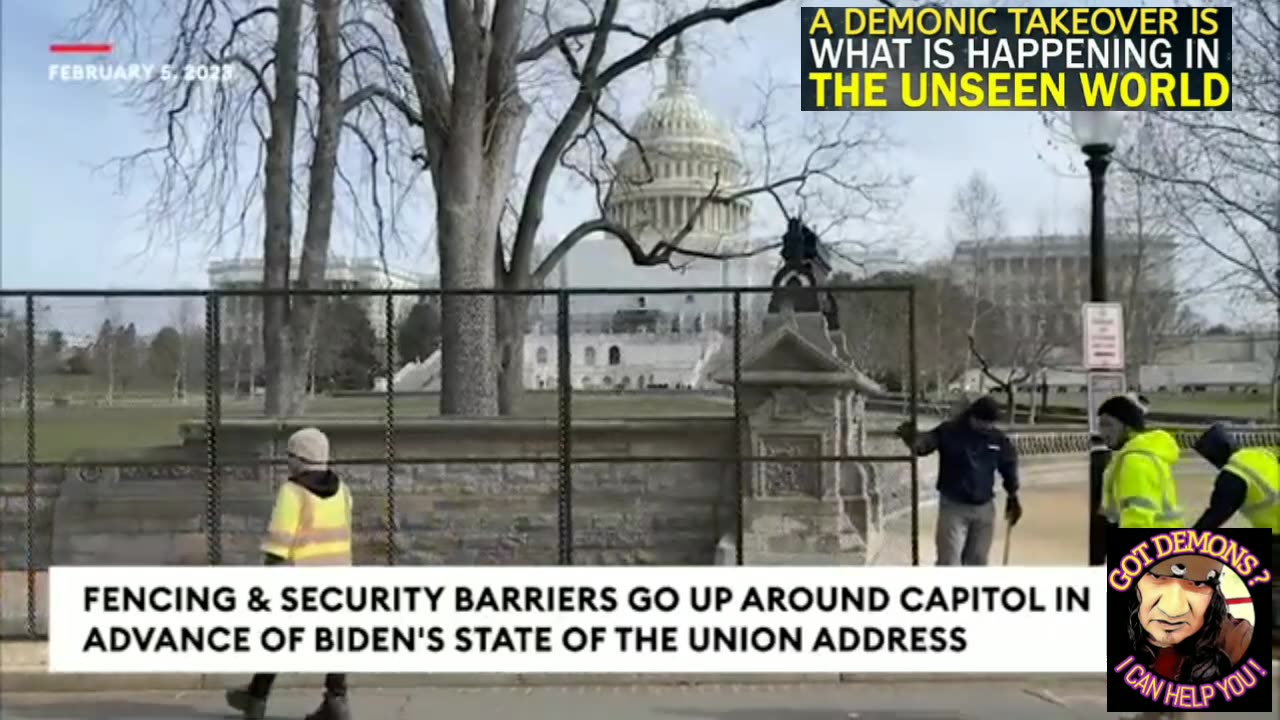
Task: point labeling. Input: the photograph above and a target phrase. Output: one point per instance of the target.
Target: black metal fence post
(1099, 457)
(914, 404)
(739, 480)
(390, 374)
(212, 421)
(564, 391)
(30, 397)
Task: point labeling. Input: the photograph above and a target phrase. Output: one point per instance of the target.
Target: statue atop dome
(681, 152)
(678, 81)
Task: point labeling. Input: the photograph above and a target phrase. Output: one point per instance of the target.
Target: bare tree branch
(369, 92)
(557, 39)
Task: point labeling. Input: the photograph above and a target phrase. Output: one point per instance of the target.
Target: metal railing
(216, 459)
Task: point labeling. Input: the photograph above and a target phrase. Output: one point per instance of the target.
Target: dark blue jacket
(968, 460)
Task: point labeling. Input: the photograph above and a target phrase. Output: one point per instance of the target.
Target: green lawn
(123, 432)
(1252, 407)
(50, 385)
(150, 427)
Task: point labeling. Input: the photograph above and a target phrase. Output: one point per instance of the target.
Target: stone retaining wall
(474, 513)
(477, 512)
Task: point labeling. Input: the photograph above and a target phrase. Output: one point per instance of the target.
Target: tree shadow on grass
(784, 713)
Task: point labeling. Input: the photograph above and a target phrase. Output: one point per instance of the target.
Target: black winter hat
(1124, 409)
(1216, 445)
(985, 408)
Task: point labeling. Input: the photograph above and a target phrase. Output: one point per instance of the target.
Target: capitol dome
(688, 151)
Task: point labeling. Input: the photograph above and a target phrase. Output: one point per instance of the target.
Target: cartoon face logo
(1182, 624)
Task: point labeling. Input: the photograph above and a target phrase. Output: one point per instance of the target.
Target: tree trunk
(512, 313)
(468, 373)
(237, 366)
(111, 369)
(180, 373)
(472, 120)
(470, 196)
(278, 209)
(323, 171)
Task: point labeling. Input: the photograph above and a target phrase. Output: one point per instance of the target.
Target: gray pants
(964, 532)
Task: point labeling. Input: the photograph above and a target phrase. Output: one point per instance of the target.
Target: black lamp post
(1097, 133)
(1099, 155)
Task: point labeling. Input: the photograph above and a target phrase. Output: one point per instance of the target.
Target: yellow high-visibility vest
(308, 530)
(1138, 488)
(1260, 469)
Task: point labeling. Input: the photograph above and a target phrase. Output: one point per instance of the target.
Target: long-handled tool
(1008, 538)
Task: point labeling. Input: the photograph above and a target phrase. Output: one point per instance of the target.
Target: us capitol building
(630, 340)
(667, 339)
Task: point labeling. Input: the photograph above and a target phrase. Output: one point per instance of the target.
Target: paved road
(948, 701)
(1054, 527)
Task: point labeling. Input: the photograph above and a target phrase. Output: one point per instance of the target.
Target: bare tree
(1216, 175)
(201, 186)
(464, 80)
(184, 321)
(1159, 274)
(473, 121)
(977, 218)
(1029, 328)
(878, 338)
(1219, 173)
(108, 345)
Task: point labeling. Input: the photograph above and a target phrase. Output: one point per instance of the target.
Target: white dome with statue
(684, 154)
(641, 340)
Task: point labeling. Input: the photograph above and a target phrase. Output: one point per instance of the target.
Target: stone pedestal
(801, 397)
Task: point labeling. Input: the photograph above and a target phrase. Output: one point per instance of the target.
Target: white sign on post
(1103, 336)
(1102, 385)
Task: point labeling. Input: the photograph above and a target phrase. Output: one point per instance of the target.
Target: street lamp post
(1097, 133)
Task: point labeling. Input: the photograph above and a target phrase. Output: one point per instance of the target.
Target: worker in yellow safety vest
(1138, 488)
(1248, 482)
(310, 525)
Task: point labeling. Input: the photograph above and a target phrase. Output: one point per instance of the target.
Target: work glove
(906, 431)
(1012, 510)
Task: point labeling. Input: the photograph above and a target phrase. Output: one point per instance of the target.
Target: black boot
(334, 707)
(254, 708)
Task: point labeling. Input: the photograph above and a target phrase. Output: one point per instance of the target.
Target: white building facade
(1046, 278)
(242, 314)
(622, 362)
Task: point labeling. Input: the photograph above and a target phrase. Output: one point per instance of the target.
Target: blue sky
(54, 134)
(63, 225)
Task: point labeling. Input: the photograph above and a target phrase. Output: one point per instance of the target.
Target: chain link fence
(632, 441)
(630, 444)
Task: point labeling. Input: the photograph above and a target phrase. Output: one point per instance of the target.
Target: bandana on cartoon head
(1195, 568)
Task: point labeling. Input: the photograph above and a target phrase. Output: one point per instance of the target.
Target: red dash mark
(1239, 601)
(81, 49)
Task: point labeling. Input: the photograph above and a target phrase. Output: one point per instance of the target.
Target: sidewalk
(887, 701)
